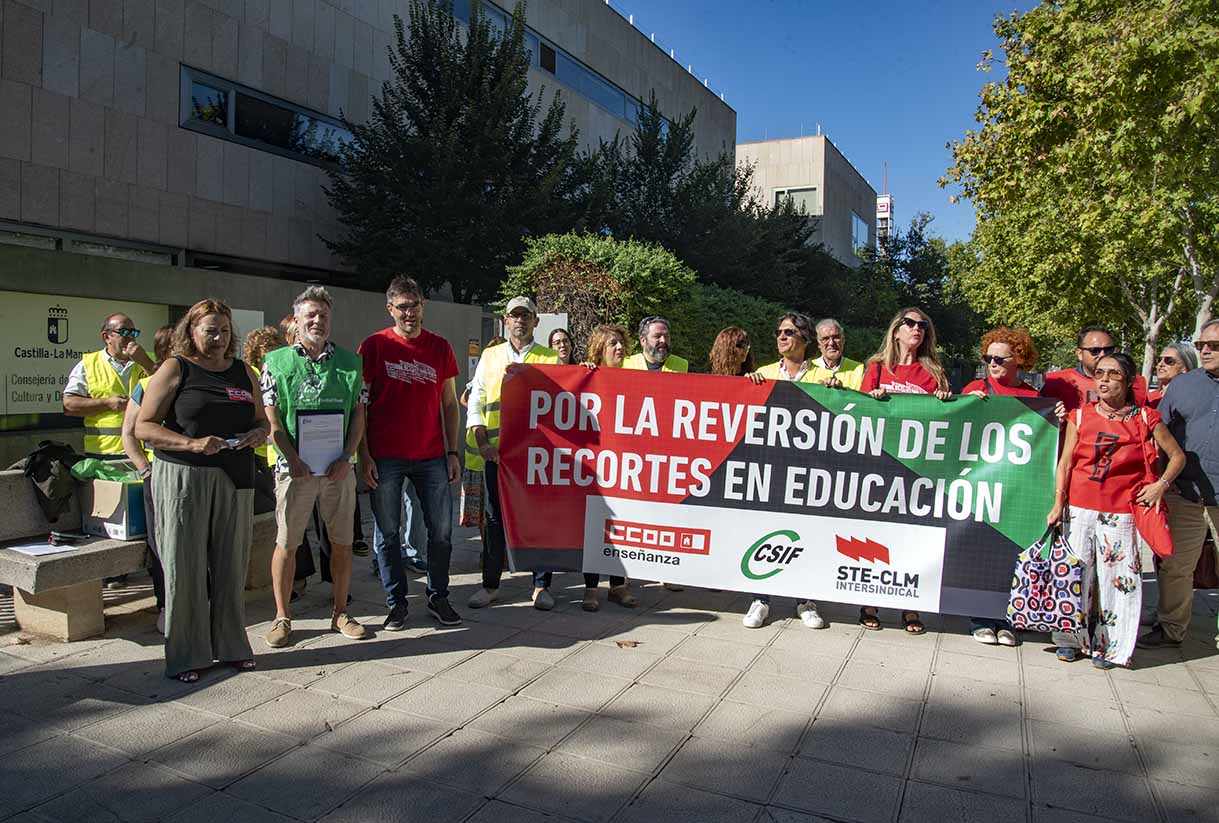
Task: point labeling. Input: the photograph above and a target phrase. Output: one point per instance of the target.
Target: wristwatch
(455, 454)
(146, 473)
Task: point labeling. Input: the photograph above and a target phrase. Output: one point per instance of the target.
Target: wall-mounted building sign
(43, 335)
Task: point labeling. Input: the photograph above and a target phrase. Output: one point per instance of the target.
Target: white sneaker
(542, 600)
(807, 612)
(482, 598)
(756, 616)
(161, 621)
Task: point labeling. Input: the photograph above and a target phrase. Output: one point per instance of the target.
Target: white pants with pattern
(1108, 547)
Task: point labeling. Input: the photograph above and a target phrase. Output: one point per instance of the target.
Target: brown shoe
(591, 603)
(346, 626)
(623, 597)
(281, 632)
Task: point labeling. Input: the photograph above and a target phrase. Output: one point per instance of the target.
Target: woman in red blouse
(1103, 464)
(908, 362)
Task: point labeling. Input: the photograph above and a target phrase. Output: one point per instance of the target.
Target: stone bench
(60, 595)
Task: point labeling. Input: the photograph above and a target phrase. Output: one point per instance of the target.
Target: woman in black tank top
(203, 414)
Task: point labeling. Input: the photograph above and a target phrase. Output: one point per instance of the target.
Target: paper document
(39, 549)
(319, 439)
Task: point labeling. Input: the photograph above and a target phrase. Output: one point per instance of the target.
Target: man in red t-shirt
(1077, 387)
(409, 373)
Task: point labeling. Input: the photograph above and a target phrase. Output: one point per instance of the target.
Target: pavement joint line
(908, 771)
(1026, 742)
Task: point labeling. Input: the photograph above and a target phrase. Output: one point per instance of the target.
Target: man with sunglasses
(99, 385)
(414, 424)
(1077, 387)
(654, 355)
(1190, 408)
(482, 441)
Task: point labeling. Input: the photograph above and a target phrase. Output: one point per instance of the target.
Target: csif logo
(770, 554)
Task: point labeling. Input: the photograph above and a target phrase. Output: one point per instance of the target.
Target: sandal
(912, 623)
(869, 618)
(245, 665)
(189, 676)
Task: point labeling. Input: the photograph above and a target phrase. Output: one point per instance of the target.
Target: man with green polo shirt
(314, 395)
(654, 348)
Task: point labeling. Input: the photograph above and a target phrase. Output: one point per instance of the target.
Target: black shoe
(439, 608)
(415, 565)
(359, 548)
(1156, 639)
(395, 621)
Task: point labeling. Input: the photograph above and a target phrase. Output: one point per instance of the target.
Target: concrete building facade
(164, 150)
(819, 179)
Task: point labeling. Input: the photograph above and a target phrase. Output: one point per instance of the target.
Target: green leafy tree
(1095, 168)
(458, 162)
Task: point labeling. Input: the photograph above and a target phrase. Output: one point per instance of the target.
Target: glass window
(804, 200)
(531, 46)
(603, 93)
(209, 105)
(548, 58)
(859, 232)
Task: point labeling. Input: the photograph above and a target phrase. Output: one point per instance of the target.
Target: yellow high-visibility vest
(494, 363)
(104, 431)
(850, 373)
(672, 363)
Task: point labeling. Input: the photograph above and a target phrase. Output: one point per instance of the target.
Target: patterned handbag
(1047, 587)
(470, 506)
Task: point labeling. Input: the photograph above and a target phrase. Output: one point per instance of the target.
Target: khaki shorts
(294, 499)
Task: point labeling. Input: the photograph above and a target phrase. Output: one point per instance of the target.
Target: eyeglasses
(521, 314)
(1112, 374)
(910, 323)
(787, 333)
(408, 306)
(994, 358)
(1206, 345)
(1099, 351)
(1168, 361)
(124, 332)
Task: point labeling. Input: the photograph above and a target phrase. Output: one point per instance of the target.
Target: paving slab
(536, 722)
(582, 690)
(1183, 762)
(449, 701)
(606, 659)
(788, 693)
(1084, 747)
(762, 727)
(17, 733)
(575, 786)
(306, 782)
(925, 803)
(869, 709)
(1189, 803)
(659, 707)
(499, 671)
(716, 651)
(540, 647)
(995, 771)
(148, 728)
(1150, 696)
(222, 753)
(649, 638)
(884, 679)
(996, 727)
(745, 773)
(987, 669)
(369, 682)
(858, 746)
(690, 675)
(301, 714)
(498, 811)
(474, 761)
(665, 802)
(839, 792)
(400, 797)
(619, 743)
(230, 696)
(1106, 794)
(219, 806)
(136, 792)
(383, 736)
(954, 690)
(42, 770)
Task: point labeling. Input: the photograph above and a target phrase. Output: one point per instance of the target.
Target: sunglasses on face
(1168, 361)
(132, 333)
(994, 358)
(1206, 345)
(787, 333)
(408, 306)
(910, 323)
(1099, 351)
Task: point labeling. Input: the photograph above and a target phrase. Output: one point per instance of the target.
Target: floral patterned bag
(1047, 587)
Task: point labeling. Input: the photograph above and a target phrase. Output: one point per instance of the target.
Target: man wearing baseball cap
(482, 440)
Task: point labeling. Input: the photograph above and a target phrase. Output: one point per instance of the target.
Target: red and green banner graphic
(782, 488)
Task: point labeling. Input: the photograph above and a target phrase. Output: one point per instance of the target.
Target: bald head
(115, 321)
(120, 347)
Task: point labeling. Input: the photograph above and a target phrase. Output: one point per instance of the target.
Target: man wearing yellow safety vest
(833, 368)
(482, 440)
(654, 348)
(99, 385)
(654, 356)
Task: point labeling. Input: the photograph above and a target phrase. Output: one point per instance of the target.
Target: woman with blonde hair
(906, 363)
(731, 353)
(607, 348)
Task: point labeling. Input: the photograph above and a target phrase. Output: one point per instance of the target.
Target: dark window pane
(209, 105)
(548, 58)
(294, 131)
(531, 46)
(461, 10)
(607, 95)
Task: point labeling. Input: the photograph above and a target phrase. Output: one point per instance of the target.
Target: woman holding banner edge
(908, 362)
(1101, 477)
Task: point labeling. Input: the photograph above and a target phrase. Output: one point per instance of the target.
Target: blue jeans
(413, 536)
(430, 479)
(496, 546)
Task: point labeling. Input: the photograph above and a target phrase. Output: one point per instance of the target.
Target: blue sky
(886, 80)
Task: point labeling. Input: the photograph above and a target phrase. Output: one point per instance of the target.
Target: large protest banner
(781, 488)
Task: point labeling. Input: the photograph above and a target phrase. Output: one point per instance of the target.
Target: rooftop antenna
(885, 176)
(818, 129)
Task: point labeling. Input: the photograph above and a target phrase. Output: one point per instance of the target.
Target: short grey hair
(1208, 324)
(828, 321)
(1189, 357)
(313, 294)
(646, 323)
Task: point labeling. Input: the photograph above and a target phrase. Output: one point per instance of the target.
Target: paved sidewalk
(673, 712)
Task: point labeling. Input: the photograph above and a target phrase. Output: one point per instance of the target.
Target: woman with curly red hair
(1005, 352)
